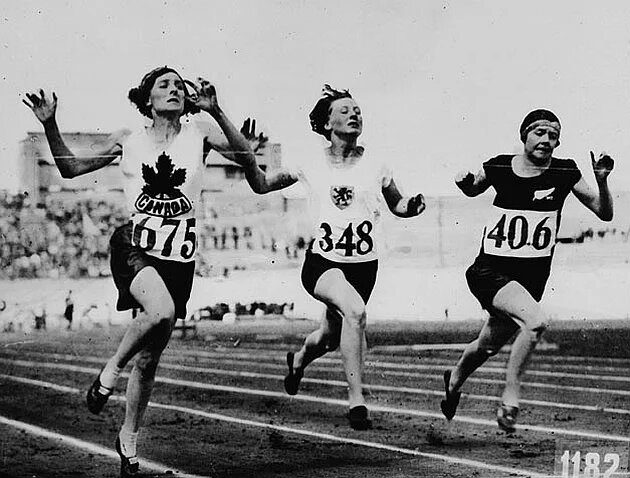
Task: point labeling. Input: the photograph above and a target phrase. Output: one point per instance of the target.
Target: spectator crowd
(71, 238)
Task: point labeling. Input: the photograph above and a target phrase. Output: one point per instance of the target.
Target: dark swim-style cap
(537, 118)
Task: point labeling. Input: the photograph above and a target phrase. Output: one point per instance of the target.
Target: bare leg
(513, 299)
(146, 338)
(149, 290)
(333, 289)
(319, 342)
(495, 333)
(142, 378)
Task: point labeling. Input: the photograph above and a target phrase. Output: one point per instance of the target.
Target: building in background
(40, 179)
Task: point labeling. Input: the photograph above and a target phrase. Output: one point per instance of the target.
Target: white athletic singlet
(162, 188)
(344, 202)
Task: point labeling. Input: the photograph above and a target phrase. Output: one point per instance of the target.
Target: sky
(443, 85)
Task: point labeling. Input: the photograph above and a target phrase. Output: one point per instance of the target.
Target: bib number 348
(364, 244)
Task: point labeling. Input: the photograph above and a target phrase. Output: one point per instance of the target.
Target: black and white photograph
(315, 239)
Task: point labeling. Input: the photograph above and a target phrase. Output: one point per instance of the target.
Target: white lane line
(401, 366)
(399, 389)
(364, 443)
(375, 387)
(438, 364)
(407, 366)
(225, 418)
(333, 401)
(260, 352)
(86, 445)
(417, 347)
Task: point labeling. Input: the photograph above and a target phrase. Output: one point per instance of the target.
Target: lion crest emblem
(342, 196)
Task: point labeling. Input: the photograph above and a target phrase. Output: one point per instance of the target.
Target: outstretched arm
(402, 206)
(472, 184)
(233, 144)
(69, 164)
(260, 181)
(600, 202)
(229, 142)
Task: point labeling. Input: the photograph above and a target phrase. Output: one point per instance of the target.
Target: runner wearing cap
(509, 275)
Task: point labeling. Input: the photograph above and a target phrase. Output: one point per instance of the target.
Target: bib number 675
(146, 237)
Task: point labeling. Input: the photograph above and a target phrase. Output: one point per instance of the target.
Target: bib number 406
(364, 245)
(516, 233)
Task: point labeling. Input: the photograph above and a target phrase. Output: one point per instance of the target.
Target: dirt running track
(219, 409)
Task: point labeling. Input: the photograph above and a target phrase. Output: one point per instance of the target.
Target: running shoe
(129, 465)
(449, 405)
(358, 418)
(96, 400)
(506, 418)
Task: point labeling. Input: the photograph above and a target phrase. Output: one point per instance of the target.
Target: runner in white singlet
(153, 255)
(340, 267)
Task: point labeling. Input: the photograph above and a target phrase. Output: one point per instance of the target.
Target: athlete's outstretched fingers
(245, 128)
(416, 205)
(603, 165)
(464, 177)
(195, 88)
(43, 108)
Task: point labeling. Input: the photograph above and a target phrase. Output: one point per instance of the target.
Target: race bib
(165, 238)
(514, 233)
(350, 244)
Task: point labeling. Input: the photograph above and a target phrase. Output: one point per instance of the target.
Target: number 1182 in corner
(588, 459)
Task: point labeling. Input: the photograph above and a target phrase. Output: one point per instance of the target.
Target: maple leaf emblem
(162, 181)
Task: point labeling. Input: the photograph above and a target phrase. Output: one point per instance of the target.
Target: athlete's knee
(162, 314)
(537, 329)
(355, 315)
(536, 325)
(147, 362)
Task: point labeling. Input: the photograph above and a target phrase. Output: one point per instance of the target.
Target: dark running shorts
(360, 275)
(127, 260)
(486, 278)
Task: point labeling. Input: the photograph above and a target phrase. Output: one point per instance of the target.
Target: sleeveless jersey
(523, 225)
(162, 188)
(345, 205)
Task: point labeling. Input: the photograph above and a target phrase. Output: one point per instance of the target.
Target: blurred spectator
(71, 239)
(69, 310)
(57, 239)
(235, 236)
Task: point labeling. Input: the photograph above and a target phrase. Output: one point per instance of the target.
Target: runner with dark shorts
(509, 275)
(344, 184)
(152, 257)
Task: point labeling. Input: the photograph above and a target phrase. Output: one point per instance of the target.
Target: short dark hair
(532, 117)
(139, 95)
(321, 112)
